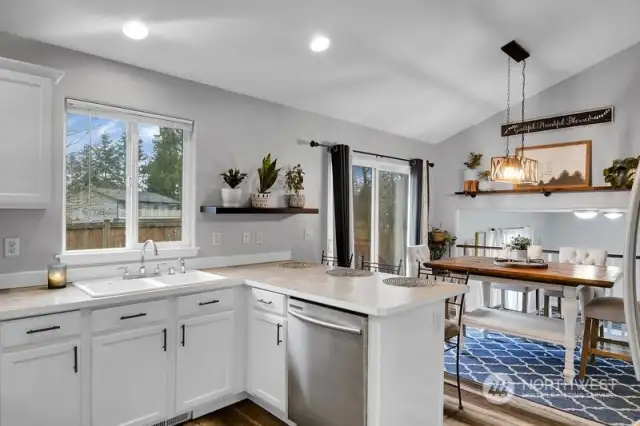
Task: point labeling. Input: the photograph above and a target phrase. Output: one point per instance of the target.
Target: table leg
(570, 319)
(486, 301)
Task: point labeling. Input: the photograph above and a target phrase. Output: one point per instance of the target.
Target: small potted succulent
(485, 183)
(294, 178)
(267, 176)
(622, 172)
(232, 196)
(471, 173)
(518, 248)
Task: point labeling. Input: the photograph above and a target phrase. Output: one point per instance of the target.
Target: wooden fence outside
(108, 234)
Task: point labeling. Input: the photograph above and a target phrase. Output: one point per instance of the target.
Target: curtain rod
(313, 144)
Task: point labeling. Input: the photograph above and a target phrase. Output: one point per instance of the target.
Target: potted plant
(621, 173)
(518, 247)
(267, 176)
(471, 174)
(439, 242)
(232, 196)
(485, 183)
(294, 178)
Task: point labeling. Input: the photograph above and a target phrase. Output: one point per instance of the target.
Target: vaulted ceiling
(425, 69)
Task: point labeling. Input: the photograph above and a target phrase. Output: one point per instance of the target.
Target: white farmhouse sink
(116, 286)
(188, 278)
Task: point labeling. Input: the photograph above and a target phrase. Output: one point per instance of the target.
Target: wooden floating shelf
(541, 190)
(253, 210)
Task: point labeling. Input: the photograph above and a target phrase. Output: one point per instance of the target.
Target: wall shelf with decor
(541, 190)
(253, 210)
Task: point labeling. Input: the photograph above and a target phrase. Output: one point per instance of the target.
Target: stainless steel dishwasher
(327, 365)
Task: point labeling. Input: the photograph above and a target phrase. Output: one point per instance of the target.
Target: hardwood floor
(477, 412)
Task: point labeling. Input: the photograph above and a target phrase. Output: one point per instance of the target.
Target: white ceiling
(425, 69)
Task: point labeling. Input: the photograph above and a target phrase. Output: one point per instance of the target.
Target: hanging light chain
(524, 79)
(508, 98)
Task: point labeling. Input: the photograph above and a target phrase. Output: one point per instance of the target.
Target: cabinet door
(268, 358)
(41, 386)
(205, 359)
(25, 148)
(129, 377)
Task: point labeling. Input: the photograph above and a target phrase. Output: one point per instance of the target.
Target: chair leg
(545, 308)
(593, 340)
(586, 345)
(560, 306)
(525, 302)
(538, 301)
(458, 373)
(503, 297)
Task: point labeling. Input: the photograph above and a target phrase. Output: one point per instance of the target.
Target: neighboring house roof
(143, 197)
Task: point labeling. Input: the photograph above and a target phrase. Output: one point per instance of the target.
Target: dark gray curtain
(419, 200)
(341, 172)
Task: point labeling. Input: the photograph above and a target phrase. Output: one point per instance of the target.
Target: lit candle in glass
(57, 275)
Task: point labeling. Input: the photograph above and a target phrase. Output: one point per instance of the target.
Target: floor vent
(175, 420)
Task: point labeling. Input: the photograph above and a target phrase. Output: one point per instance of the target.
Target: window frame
(133, 119)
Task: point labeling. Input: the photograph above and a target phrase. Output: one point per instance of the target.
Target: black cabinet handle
(278, 341)
(211, 302)
(126, 317)
(164, 339)
(265, 302)
(75, 359)
(42, 330)
(183, 335)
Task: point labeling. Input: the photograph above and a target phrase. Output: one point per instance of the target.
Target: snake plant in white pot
(267, 176)
(232, 196)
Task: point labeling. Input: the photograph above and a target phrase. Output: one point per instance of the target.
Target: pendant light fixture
(515, 168)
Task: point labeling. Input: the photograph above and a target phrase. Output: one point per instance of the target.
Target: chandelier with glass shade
(516, 168)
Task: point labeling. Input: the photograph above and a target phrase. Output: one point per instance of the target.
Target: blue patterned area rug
(610, 393)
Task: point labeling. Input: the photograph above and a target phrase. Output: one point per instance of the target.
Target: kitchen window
(128, 178)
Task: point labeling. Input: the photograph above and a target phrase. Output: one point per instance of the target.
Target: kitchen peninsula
(186, 350)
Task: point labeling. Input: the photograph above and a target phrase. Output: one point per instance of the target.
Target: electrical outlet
(217, 239)
(258, 237)
(308, 235)
(11, 247)
(246, 237)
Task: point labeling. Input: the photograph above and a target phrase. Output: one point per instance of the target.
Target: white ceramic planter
(261, 201)
(518, 255)
(485, 185)
(470, 174)
(231, 197)
(296, 201)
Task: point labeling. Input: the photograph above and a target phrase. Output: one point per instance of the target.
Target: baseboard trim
(271, 409)
(205, 409)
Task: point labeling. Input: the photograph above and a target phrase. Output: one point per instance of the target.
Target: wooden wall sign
(583, 118)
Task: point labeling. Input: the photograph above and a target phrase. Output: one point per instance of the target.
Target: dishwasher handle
(326, 324)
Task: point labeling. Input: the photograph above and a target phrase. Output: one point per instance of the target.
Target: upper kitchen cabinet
(25, 146)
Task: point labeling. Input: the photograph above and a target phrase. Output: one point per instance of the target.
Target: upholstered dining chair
(416, 256)
(452, 327)
(524, 290)
(596, 310)
(577, 256)
(333, 260)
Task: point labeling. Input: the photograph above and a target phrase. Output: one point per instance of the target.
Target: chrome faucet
(143, 269)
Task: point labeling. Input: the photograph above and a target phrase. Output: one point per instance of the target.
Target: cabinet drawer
(128, 316)
(268, 301)
(39, 329)
(206, 303)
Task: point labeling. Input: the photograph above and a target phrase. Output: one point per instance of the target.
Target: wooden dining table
(567, 277)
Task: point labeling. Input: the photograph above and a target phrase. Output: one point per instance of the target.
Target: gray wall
(615, 81)
(232, 130)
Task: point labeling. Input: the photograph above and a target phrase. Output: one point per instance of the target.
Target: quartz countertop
(367, 295)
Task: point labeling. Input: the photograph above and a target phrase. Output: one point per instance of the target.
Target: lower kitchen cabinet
(129, 377)
(205, 359)
(41, 386)
(268, 358)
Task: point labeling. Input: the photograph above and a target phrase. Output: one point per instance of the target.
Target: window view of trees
(96, 182)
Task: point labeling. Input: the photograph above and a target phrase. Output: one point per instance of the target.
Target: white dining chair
(416, 256)
(523, 289)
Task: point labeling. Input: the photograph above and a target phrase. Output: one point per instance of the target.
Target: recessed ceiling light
(613, 215)
(320, 43)
(586, 214)
(135, 30)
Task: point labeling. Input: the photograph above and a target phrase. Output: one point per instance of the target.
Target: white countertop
(368, 295)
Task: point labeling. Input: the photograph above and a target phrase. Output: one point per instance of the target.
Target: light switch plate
(11, 247)
(217, 238)
(246, 237)
(258, 237)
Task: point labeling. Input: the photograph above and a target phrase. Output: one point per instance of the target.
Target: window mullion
(375, 202)
(132, 186)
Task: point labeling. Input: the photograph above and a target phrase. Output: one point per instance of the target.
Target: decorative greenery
(519, 243)
(474, 161)
(267, 174)
(485, 175)
(233, 177)
(440, 241)
(621, 173)
(294, 178)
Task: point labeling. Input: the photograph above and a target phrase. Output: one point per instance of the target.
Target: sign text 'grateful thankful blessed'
(583, 118)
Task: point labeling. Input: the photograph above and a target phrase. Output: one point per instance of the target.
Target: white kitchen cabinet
(268, 358)
(41, 386)
(129, 377)
(205, 359)
(25, 146)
